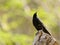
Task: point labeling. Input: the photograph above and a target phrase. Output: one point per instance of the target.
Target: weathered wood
(42, 38)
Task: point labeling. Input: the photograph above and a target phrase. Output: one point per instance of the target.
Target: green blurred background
(16, 26)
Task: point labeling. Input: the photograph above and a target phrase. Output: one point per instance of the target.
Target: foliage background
(16, 26)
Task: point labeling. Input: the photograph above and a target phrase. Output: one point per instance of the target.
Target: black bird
(38, 24)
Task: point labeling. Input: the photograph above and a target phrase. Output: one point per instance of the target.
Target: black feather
(38, 24)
